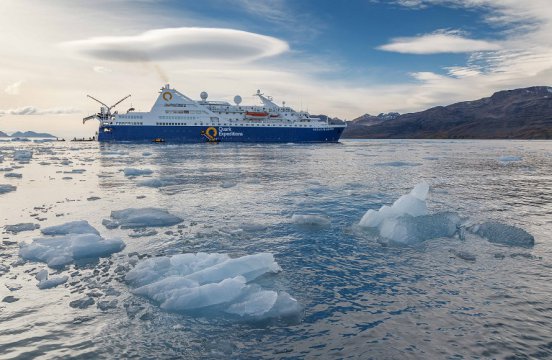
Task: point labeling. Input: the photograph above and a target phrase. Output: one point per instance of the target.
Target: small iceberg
(398, 164)
(137, 172)
(153, 183)
(6, 188)
(22, 155)
(17, 228)
(141, 217)
(311, 220)
(215, 282)
(407, 220)
(13, 175)
(73, 227)
(45, 283)
(68, 243)
(509, 159)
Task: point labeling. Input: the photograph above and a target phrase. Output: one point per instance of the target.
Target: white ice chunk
(42, 275)
(256, 304)
(17, 228)
(249, 266)
(52, 282)
(137, 172)
(6, 188)
(509, 158)
(144, 217)
(413, 204)
(190, 282)
(153, 183)
(22, 155)
(62, 250)
(285, 306)
(73, 227)
(407, 220)
(151, 270)
(228, 184)
(311, 220)
(204, 295)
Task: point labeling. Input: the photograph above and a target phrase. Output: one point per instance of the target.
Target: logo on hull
(210, 134)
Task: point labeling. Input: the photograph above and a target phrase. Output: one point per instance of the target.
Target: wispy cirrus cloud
(32, 110)
(185, 43)
(438, 42)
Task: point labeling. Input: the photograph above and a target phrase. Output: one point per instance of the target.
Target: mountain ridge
(524, 113)
(31, 134)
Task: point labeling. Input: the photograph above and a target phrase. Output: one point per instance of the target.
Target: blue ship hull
(196, 134)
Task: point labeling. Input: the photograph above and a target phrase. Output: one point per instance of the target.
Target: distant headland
(27, 134)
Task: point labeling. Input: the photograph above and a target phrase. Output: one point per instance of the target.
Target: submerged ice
(503, 234)
(189, 282)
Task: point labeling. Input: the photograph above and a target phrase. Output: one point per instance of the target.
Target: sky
(342, 58)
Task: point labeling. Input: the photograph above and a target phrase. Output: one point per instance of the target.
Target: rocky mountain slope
(511, 114)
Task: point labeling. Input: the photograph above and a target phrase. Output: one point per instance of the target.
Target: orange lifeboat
(256, 114)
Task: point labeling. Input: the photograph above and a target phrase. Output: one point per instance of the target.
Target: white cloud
(14, 88)
(186, 43)
(463, 71)
(101, 69)
(438, 42)
(31, 110)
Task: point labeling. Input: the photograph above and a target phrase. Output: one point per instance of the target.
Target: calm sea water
(360, 299)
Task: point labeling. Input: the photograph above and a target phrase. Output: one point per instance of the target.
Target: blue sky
(342, 58)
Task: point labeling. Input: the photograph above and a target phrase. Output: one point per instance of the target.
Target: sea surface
(361, 297)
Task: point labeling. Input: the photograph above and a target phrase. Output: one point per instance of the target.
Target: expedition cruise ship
(176, 118)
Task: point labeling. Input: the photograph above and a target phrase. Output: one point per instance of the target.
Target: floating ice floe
(45, 283)
(137, 172)
(397, 164)
(73, 227)
(72, 241)
(6, 169)
(499, 233)
(464, 255)
(6, 188)
(311, 220)
(13, 175)
(228, 184)
(17, 228)
(408, 221)
(75, 171)
(22, 155)
(216, 282)
(143, 217)
(508, 159)
(154, 183)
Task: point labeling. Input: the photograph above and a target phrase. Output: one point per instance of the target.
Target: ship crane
(105, 110)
